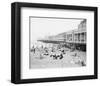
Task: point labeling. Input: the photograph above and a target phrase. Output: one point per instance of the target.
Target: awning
(52, 41)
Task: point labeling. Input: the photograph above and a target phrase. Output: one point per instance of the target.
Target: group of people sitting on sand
(55, 53)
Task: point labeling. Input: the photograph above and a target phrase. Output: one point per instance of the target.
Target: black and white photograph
(57, 42)
(53, 42)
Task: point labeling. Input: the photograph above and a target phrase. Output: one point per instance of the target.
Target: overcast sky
(42, 27)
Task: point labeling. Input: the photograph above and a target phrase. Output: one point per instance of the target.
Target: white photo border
(26, 73)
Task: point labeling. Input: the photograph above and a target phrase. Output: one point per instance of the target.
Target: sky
(42, 27)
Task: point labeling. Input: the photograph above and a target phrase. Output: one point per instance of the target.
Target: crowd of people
(55, 53)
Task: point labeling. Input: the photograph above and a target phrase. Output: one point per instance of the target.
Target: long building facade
(72, 39)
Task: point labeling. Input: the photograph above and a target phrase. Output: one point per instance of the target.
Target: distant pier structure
(74, 39)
